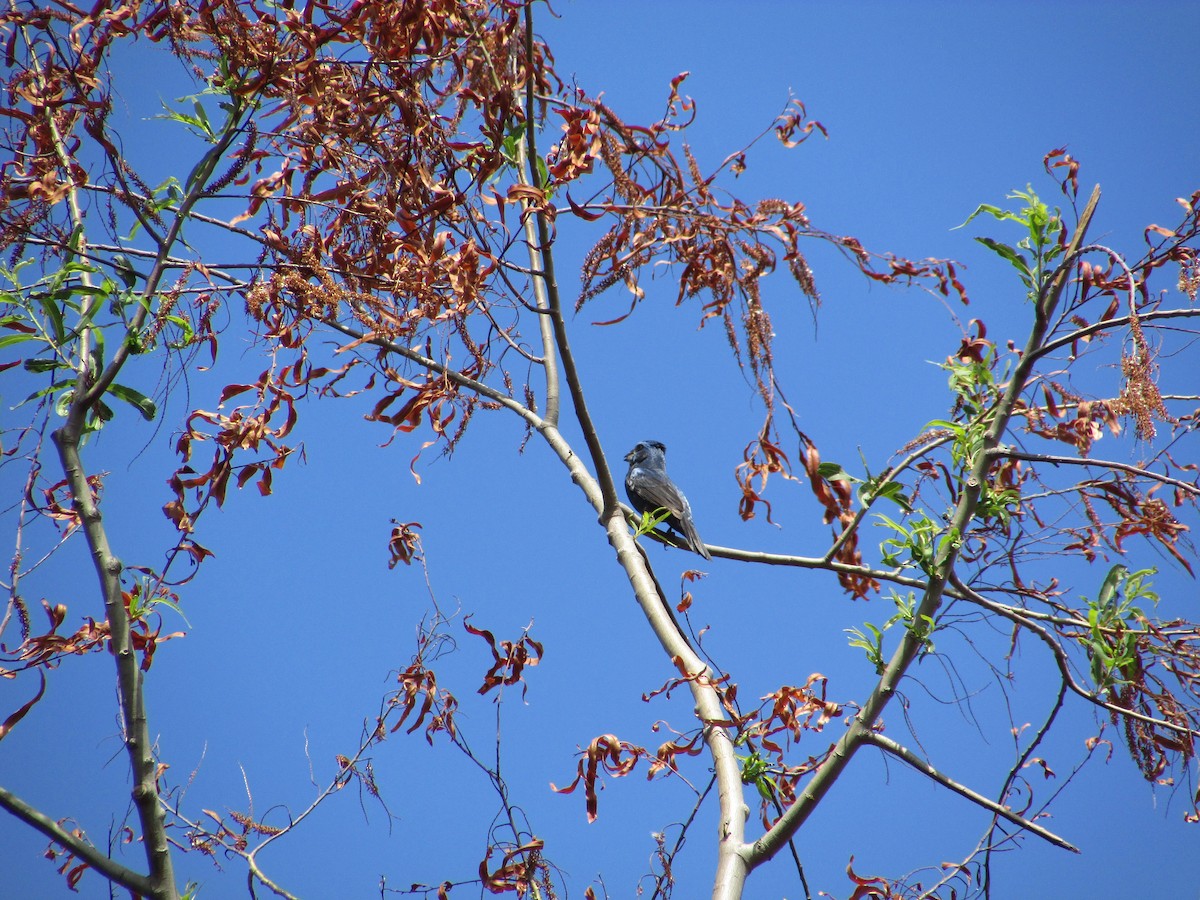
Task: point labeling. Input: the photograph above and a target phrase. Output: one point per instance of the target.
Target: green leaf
(202, 118)
(85, 290)
(9, 339)
(43, 365)
(895, 526)
(511, 141)
(124, 269)
(1019, 262)
(543, 175)
(70, 383)
(138, 400)
(994, 211)
(955, 428)
(53, 314)
(1111, 582)
(75, 241)
(831, 471)
(76, 266)
(163, 601)
(892, 490)
(98, 349)
(186, 332)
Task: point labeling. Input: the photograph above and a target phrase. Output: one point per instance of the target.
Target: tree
(378, 196)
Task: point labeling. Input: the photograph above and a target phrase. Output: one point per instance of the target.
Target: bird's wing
(659, 493)
(656, 491)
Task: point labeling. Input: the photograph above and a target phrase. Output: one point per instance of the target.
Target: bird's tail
(693, 538)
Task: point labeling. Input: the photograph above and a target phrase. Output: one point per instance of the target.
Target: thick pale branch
(730, 876)
(731, 871)
(129, 676)
(91, 387)
(85, 852)
(255, 873)
(537, 238)
(903, 753)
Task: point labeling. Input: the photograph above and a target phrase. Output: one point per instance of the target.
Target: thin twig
(1006, 452)
(906, 755)
(1060, 656)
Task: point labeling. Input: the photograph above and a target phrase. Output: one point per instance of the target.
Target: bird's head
(646, 450)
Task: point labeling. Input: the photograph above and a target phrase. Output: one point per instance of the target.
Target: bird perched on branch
(651, 491)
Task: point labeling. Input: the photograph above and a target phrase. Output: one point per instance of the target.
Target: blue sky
(294, 627)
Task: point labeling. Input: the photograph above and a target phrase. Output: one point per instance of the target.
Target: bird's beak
(629, 456)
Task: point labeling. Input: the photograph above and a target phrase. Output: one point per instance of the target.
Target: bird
(650, 490)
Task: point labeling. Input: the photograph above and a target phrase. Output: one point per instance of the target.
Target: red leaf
(581, 212)
(232, 390)
(7, 725)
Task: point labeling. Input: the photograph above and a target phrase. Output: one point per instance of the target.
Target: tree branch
(1064, 665)
(1021, 762)
(1110, 324)
(903, 753)
(912, 641)
(1012, 453)
(731, 872)
(129, 677)
(196, 183)
(89, 389)
(887, 475)
(106, 866)
(537, 238)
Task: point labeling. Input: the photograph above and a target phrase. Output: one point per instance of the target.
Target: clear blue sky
(931, 108)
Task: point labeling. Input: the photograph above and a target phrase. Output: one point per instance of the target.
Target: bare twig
(903, 753)
(1007, 452)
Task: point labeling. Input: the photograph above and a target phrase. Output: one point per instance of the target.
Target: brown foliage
(381, 197)
(607, 752)
(509, 659)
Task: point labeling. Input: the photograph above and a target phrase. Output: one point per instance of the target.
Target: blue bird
(650, 490)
